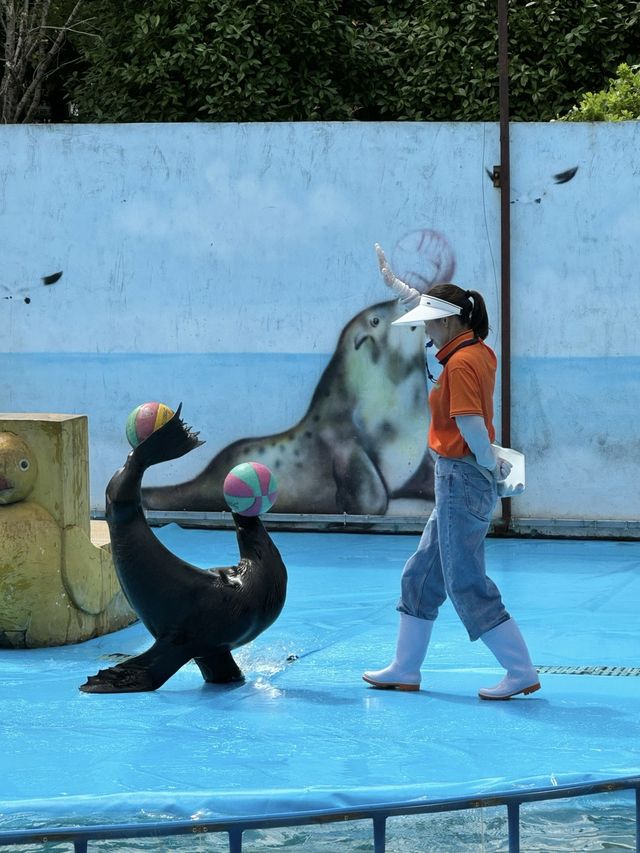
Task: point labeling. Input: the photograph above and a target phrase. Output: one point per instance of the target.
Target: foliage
(620, 101)
(297, 60)
(184, 60)
(561, 50)
(33, 37)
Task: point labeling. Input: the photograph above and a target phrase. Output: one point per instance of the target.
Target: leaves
(620, 101)
(298, 60)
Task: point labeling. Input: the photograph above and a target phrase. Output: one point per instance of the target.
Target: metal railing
(80, 836)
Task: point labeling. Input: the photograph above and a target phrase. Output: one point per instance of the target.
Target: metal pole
(235, 841)
(379, 834)
(513, 821)
(505, 238)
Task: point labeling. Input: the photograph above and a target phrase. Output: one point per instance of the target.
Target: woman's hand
(501, 472)
(501, 469)
(409, 297)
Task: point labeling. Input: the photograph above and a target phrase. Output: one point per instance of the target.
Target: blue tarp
(304, 731)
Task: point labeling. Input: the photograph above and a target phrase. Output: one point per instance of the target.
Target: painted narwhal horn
(193, 614)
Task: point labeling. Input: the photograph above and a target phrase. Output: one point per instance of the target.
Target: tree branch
(31, 39)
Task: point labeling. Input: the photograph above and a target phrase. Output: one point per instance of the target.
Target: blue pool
(305, 737)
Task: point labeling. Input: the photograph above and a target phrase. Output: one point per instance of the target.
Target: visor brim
(422, 313)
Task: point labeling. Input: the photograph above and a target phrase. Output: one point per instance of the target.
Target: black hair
(474, 311)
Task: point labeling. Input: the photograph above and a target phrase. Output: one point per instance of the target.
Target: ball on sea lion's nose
(250, 488)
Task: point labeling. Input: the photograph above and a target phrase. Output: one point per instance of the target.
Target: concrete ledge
(546, 528)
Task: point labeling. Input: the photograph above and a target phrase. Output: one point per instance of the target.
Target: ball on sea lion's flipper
(145, 419)
(250, 488)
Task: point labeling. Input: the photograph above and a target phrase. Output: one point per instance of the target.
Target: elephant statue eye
(24, 464)
(374, 321)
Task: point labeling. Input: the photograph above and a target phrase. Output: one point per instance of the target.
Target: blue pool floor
(304, 732)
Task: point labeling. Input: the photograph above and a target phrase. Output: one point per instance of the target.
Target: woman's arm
(408, 296)
(475, 434)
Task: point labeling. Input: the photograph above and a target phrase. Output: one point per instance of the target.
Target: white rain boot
(404, 672)
(508, 646)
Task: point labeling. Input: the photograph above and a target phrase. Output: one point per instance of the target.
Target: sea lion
(192, 613)
(361, 442)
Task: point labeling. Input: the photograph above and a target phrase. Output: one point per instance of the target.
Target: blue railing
(80, 837)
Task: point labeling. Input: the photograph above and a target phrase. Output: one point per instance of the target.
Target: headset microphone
(429, 343)
(430, 376)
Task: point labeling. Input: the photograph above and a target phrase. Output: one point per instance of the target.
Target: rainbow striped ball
(250, 488)
(144, 420)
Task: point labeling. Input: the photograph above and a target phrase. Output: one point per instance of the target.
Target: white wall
(217, 264)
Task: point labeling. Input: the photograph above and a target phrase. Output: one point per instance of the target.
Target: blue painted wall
(218, 264)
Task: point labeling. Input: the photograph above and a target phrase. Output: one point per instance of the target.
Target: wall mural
(231, 267)
(350, 453)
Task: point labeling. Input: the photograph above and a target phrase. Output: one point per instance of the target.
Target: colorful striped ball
(144, 420)
(250, 488)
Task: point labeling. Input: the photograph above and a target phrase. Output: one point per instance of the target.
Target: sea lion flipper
(360, 489)
(170, 441)
(219, 667)
(141, 673)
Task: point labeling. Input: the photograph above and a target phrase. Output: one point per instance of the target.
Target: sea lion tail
(172, 440)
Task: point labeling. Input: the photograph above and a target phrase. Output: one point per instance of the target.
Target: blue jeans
(450, 556)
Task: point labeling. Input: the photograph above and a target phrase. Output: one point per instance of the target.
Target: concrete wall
(228, 266)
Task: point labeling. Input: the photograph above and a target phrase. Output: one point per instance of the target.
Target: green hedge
(297, 60)
(620, 101)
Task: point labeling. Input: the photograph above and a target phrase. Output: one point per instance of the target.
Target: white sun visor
(430, 308)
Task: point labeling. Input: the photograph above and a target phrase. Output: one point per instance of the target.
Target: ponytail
(473, 311)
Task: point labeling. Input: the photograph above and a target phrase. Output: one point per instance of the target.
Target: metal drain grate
(589, 670)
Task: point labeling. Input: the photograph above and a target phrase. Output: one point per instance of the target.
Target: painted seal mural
(362, 442)
(191, 613)
(351, 452)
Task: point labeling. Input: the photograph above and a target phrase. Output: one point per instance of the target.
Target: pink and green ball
(250, 488)
(146, 419)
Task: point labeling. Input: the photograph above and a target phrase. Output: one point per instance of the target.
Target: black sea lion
(192, 613)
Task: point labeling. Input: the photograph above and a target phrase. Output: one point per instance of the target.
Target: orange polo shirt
(465, 387)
